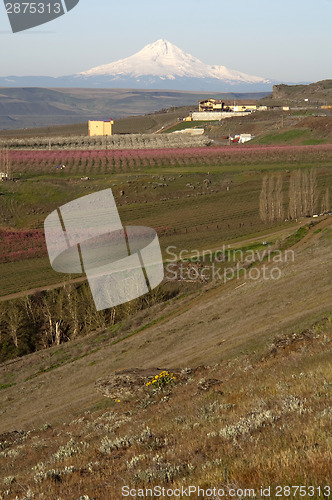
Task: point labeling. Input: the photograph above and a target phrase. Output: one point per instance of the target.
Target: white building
(241, 138)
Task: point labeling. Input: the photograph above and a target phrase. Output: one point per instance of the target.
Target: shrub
(161, 380)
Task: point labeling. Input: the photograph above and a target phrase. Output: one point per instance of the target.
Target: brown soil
(321, 124)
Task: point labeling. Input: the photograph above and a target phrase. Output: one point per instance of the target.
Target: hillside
(139, 124)
(241, 323)
(297, 127)
(304, 126)
(37, 107)
(319, 93)
(250, 380)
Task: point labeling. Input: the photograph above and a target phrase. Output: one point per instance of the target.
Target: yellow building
(219, 105)
(100, 127)
(211, 105)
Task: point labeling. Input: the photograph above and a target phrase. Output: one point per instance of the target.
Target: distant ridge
(316, 93)
(38, 107)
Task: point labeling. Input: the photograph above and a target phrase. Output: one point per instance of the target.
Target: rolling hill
(37, 107)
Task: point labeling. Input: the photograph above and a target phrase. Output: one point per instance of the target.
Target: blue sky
(284, 40)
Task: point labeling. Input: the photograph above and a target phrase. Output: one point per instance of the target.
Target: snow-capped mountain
(163, 62)
(159, 65)
(166, 60)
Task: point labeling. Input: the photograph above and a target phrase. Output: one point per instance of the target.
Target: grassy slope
(256, 413)
(275, 127)
(185, 125)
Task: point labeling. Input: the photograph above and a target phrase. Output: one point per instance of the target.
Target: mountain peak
(165, 60)
(161, 49)
(161, 44)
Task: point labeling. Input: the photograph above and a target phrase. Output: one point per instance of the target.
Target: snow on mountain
(164, 60)
(159, 66)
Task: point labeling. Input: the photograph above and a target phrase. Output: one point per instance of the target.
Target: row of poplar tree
(304, 197)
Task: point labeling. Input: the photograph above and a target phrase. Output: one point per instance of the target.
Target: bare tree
(325, 207)
(53, 313)
(295, 195)
(305, 194)
(271, 199)
(3, 315)
(279, 199)
(313, 191)
(30, 310)
(263, 201)
(14, 321)
(291, 194)
(92, 318)
(72, 302)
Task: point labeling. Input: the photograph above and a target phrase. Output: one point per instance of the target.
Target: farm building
(242, 138)
(211, 105)
(100, 127)
(243, 108)
(218, 105)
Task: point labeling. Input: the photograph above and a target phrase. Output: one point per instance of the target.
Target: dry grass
(253, 409)
(246, 423)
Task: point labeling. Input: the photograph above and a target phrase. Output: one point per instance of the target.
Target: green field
(301, 136)
(194, 124)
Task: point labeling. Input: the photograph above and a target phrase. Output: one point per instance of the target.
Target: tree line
(304, 197)
(46, 319)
